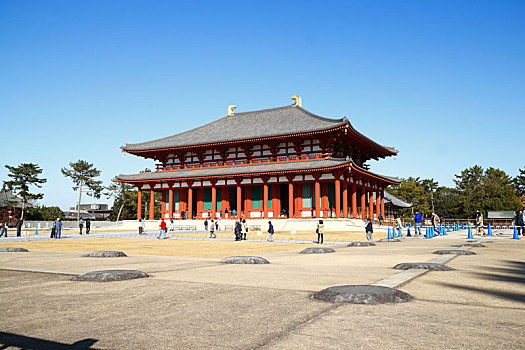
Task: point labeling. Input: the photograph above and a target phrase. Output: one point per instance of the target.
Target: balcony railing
(233, 162)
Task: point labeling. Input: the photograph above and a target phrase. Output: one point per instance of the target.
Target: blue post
(489, 231)
(445, 230)
(469, 233)
(405, 225)
(408, 232)
(36, 232)
(448, 228)
(515, 233)
(389, 233)
(399, 232)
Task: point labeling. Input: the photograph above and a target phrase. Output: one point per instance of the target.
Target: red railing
(233, 162)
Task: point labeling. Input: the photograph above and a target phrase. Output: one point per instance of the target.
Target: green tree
(125, 198)
(471, 193)
(519, 184)
(83, 174)
(44, 213)
(416, 191)
(487, 190)
(446, 202)
(23, 177)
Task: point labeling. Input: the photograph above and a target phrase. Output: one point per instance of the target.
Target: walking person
(320, 232)
(217, 225)
(435, 223)
(270, 231)
(238, 230)
(58, 233)
(418, 220)
(369, 229)
(479, 223)
(19, 225)
(141, 226)
(88, 226)
(226, 213)
(3, 230)
(519, 222)
(212, 229)
(205, 224)
(244, 228)
(53, 229)
(380, 218)
(172, 225)
(81, 225)
(162, 229)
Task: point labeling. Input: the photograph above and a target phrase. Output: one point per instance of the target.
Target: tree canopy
(476, 188)
(83, 174)
(22, 178)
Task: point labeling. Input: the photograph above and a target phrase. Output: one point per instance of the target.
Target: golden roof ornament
(298, 101)
(230, 109)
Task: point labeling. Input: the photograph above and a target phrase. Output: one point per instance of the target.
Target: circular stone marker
(110, 275)
(390, 240)
(105, 254)
(317, 250)
(457, 252)
(361, 244)
(362, 294)
(473, 244)
(13, 249)
(423, 266)
(245, 260)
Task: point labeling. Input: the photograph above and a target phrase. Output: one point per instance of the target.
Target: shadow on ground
(23, 342)
(515, 273)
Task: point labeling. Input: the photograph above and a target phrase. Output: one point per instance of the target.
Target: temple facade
(283, 162)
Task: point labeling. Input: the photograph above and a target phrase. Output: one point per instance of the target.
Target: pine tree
(23, 177)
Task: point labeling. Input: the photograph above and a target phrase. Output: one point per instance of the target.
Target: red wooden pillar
(378, 203)
(190, 203)
(239, 194)
(354, 201)
(265, 199)
(345, 200)
(225, 203)
(317, 197)
(170, 202)
(139, 205)
(213, 200)
(151, 204)
(371, 204)
(383, 203)
(337, 198)
(363, 203)
(291, 213)
(162, 203)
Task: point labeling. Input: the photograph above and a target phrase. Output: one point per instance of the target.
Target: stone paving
(196, 302)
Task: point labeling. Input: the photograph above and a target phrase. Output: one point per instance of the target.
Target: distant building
(92, 211)
(394, 204)
(10, 212)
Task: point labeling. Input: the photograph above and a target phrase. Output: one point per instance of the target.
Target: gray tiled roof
(279, 121)
(248, 169)
(237, 170)
(396, 201)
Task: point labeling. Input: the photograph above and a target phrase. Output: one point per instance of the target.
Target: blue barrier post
(389, 233)
(445, 230)
(36, 232)
(399, 232)
(469, 233)
(515, 233)
(489, 231)
(408, 232)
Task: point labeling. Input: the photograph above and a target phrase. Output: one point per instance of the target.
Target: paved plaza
(191, 300)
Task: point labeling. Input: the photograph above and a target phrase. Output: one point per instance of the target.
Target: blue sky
(442, 81)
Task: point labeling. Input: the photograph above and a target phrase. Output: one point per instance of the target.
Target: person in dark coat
(270, 231)
(518, 221)
(19, 225)
(369, 229)
(81, 225)
(238, 230)
(3, 230)
(88, 226)
(53, 229)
